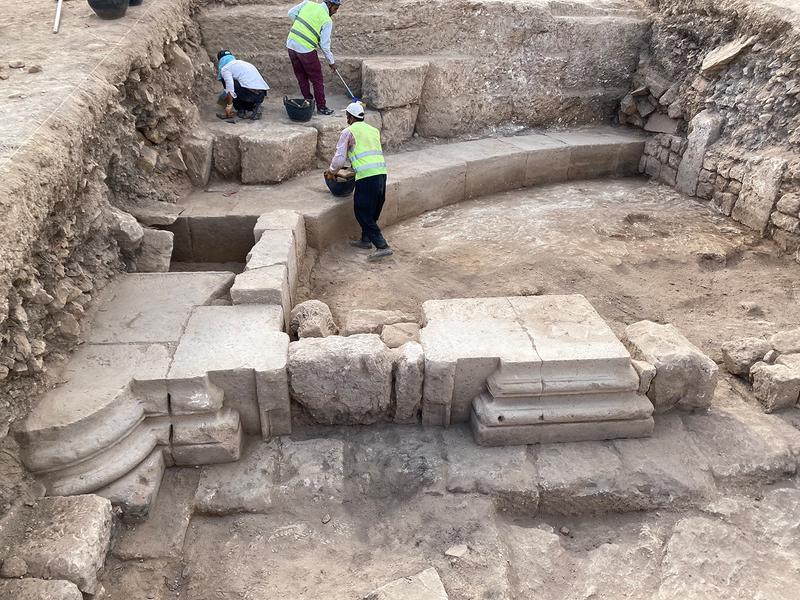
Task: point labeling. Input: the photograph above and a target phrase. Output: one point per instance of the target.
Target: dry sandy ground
(636, 250)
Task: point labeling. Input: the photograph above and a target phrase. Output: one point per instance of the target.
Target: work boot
(380, 253)
(363, 244)
(325, 111)
(256, 115)
(240, 114)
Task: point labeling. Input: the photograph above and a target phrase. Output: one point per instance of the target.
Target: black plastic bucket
(298, 109)
(339, 187)
(109, 9)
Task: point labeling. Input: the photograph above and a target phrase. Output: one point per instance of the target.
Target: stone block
(492, 165)
(126, 229)
(155, 252)
(548, 158)
(227, 450)
(342, 380)
(227, 155)
(241, 350)
(786, 342)
(38, 589)
(760, 188)
(398, 124)
(162, 534)
(212, 428)
(136, 493)
(739, 355)
(265, 285)
(775, 386)
(311, 318)
(724, 55)
(275, 154)
(506, 473)
(276, 247)
(425, 585)
(364, 320)
(155, 212)
(389, 82)
(409, 374)
(125, 307)
(283, 219)
(785, 222)
(660, 123)
(789, 204)
(704, 129)
(397, 334)
(198, 154)
(65, 538)
(685, 377)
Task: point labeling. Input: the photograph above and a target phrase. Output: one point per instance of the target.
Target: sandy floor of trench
(635, 249)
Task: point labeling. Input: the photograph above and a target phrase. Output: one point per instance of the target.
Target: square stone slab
(152, 307)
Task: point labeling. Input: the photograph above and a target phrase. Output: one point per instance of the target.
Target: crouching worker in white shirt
(245, 89)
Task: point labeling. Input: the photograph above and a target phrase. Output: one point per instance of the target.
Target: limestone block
(211, 428)
(775, 386)
(504, 473)
(311, 318)
(227, 155)
(277, 153)
(229, 449)
(398, 124)
(155, 252)
(372, 320)
(786, 342)
(38, 589)
(760, 188)
(276, 247)
(685, 377)
(342, 380)
(704, 130)
(739, 355)
(660, 123)
(198, 154)
(600, 152)
(241, 350)
(156, 212)
(135, 493)
(149, 379)
(13, 567)
(425, 585)
(789, 204)
(66, 538)
(492, 165)
(125, 229)
(388, 82)
(719, 57)
(265, 285)
(785, 222)
(409, 374)
(646, 373)
(548, 158)
(397, 334)
(282, 219)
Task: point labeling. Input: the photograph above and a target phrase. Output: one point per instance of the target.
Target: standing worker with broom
(311, 29)
(361, 144)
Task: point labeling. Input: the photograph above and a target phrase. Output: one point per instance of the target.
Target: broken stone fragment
(148, 158)
(125, 229)
(155, 252)
(659, 123)
(397, 334)
(172, 160)
(39, 589)
(198, 157)
(775, 386)
(372, 321)
(786, 342)
(34, 69)
(17, 64)
(740, 355)
(789, 204)
(704, 130)
(646, 373)
(760, 188)
(685, 377)
(645, 106)
(425, 585)
(312, 319)
(342, 380)
(628, 105)
(719, 57)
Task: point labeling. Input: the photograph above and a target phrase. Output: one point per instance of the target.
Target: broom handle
(57, 22)
(347, 86)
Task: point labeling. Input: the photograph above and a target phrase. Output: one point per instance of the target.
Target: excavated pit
(518, 154)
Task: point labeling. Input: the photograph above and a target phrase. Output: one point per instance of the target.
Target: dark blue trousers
(368, 199)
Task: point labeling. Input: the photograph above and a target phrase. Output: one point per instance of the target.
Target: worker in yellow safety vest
(311, 29)
(360, 143)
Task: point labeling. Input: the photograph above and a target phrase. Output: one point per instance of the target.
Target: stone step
(135, 493)
(514, 435)
(113, 463)
(216, 226)
(241, 350)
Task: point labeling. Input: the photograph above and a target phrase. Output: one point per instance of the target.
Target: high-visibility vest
(307, 26)
(366, 156)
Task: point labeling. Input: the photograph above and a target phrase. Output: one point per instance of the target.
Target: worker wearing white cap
(360, 143)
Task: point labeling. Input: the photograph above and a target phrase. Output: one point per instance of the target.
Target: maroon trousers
(308, 68)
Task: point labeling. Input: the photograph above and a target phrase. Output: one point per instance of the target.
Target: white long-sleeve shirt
(324, 35)
(346, 142)
(243, 72)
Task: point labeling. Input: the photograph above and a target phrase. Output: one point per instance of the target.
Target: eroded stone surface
(363, 320)
(685, 377)
(155, 252)
(776, 386)
(397, 334)
(393, 81)
(312, 318)
(409, 375)
(39, 589)
(425, 585)
(739, 355)
(341, 380)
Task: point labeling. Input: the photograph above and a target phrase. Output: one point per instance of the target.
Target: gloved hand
(329, 174)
